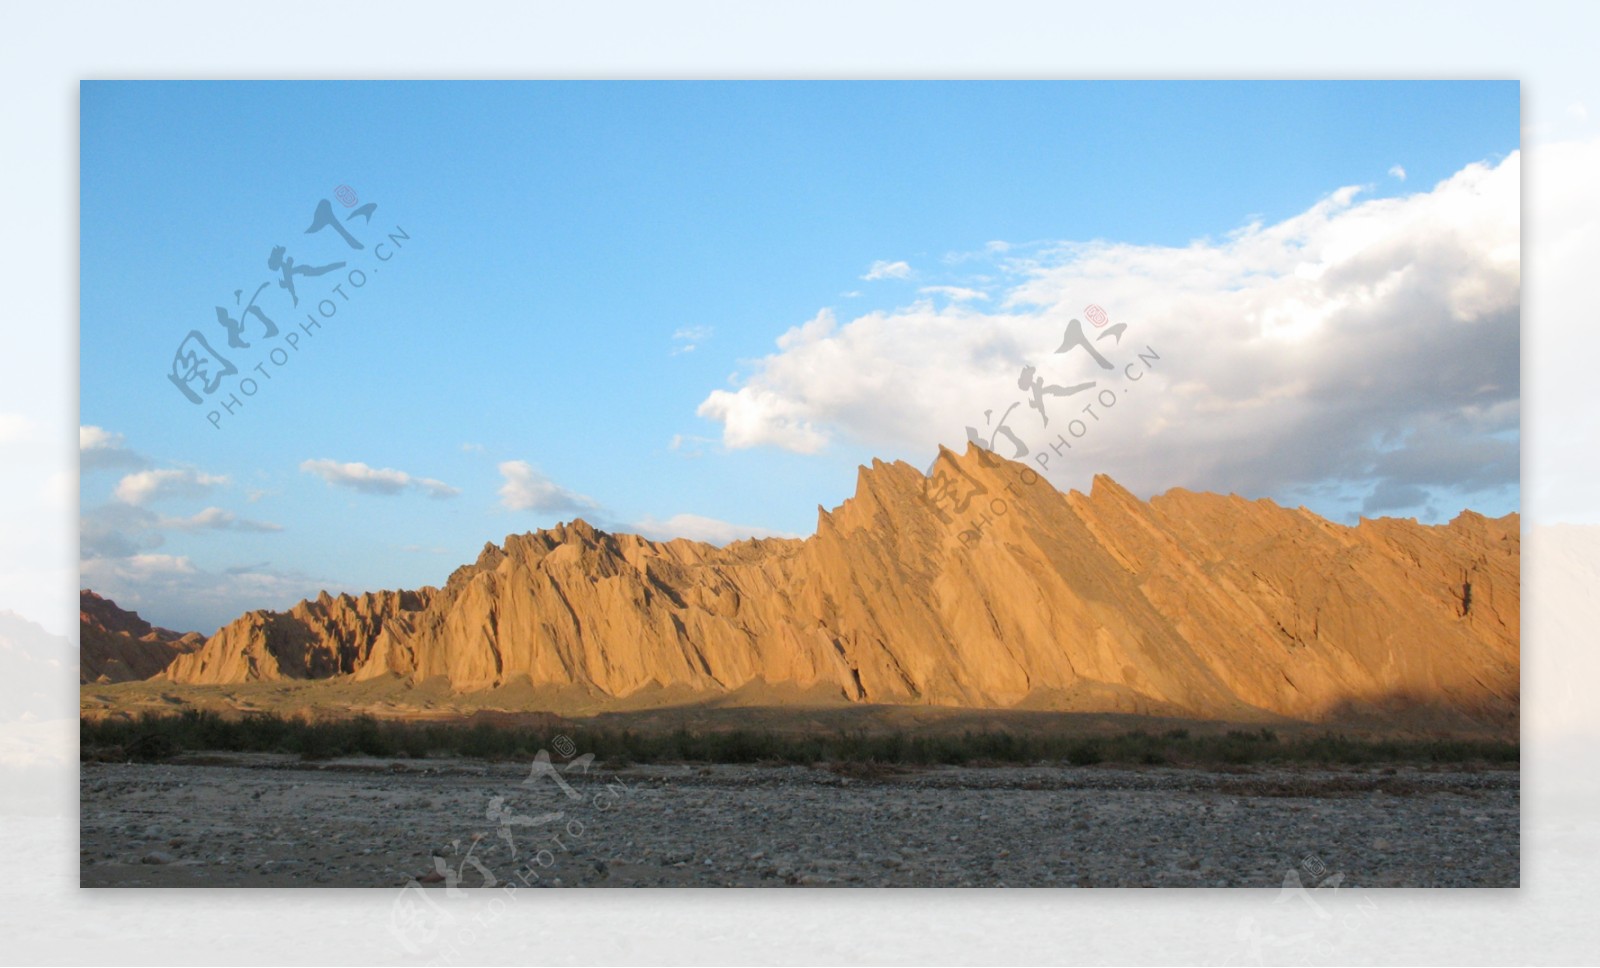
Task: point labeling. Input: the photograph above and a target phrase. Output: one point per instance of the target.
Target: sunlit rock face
(981, 587)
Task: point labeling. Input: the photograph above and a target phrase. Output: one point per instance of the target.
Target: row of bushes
(154, 737)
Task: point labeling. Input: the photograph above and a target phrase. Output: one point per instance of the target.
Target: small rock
(156, 857)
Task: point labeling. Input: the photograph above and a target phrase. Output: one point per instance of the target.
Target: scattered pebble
(788, 825)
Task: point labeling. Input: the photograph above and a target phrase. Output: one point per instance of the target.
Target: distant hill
(116, 645)
(980, 587)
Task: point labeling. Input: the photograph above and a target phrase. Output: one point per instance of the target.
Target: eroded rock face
(321, 639)
(1193, 604)
(116, 645)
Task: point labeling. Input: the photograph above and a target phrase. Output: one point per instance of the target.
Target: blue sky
(570, 242)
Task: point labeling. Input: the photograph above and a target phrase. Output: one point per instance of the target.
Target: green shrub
(1084, 754)
(153, 737)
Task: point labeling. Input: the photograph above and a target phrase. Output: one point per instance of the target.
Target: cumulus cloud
(143, 487)
(526, 489)
(688, 337)
(690, 445)
(375, 480)
(956, 293)
(753, 416)
(888, 270)
(100, 449)
(1358, 341)
(698, 528)
(174, 592)
(215, 519)
(119, 530)
(1398, 171)
(120, 555)
(433, 488)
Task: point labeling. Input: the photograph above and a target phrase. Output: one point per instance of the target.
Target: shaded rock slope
(116, 645)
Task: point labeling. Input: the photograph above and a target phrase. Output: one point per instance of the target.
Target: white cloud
(117, 531)
(1290, 353)
(144, 486)
(752, 416)
(149, 566)
(1398, 171)
(120, 530)
(433, 488)
(470, 448)
(887, 270)
(99, 448)
(93, 438)
(172, 591)
(526, 489)
(698, 528)
(688, 337)
(956, 293)
(375, 480)
(690, 445)
(358, 476)
(215, 519)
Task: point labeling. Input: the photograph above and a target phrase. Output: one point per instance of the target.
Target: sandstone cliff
(115, 645)
(983, 586)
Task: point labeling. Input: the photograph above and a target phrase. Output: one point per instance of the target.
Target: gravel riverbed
(276, 821)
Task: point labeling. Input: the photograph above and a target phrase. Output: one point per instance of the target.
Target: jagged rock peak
(1190, 604)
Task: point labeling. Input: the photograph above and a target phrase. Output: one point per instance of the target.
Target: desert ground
(270, 820)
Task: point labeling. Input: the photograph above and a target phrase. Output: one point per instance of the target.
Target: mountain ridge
(1008, 594)
(116, 645)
